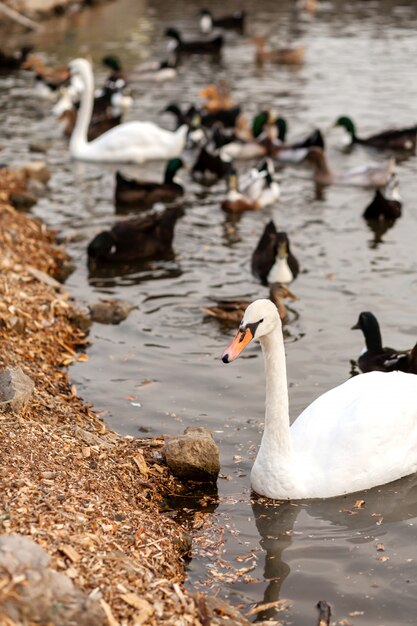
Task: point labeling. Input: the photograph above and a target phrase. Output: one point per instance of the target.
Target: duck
(358, 435)
(16, 60)
(48, 81)
(209, 167)
(225, 117)
(394, 139)
(310, 6)
(315, 138)
(406, 361)
(117, 79)
(285, 56)
(258, 192)
(253, 142)
(234, 21)
(272, 260)
(386, 205)
(293, 152)
(194, 46)
(108, 111)
(130, 191)
(233, 310)
(135, 239)
(98, 125)
(131, 142)
(218, 97)
(375, 357)
(158, 71)
(370, 175)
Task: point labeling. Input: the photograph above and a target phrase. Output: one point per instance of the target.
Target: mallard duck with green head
(393, 139)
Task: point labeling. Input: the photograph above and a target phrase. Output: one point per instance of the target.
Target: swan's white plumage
(358, 435)
(132, 142)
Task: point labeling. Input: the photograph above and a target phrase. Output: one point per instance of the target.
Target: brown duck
(233, 310)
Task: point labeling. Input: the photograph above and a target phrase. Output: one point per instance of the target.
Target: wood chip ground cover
(87, 495)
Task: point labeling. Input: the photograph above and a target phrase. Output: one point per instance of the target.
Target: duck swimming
(131, 191)
(375, 357)
(272, 260)
(285, 56)
(371, 175)
(16, 60)
(255, 142)
(98, 125)
(233, 310)
(209, 167)
(235, 21)
(218, 97)
(158, 71)
(259, 191)
(356, 436)
(194, 46)
(131, 142)
(135, 239)
(386, 205)
(394, 139)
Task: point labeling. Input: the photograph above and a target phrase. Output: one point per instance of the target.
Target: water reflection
(379, 228)
(360, 518)
(105, 273)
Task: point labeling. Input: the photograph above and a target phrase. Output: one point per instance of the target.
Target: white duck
(358, 435)
(132, 142)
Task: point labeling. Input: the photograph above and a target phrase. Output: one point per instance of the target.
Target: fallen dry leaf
(279, 605)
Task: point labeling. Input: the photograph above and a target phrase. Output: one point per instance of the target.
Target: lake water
(359, 61)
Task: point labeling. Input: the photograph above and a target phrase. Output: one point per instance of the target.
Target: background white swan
(132, 142)
(356, 436)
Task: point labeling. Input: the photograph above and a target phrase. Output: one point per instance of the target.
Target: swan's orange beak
(233, 350)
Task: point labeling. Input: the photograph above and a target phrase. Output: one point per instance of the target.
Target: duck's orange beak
(233, 350)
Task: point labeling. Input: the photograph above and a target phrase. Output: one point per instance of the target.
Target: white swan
(132, 142)
(358, 435)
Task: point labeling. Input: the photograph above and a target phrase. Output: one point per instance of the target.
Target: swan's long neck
(79, 135)
(273, 473)
(276, 438)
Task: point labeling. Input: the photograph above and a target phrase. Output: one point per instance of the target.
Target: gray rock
(42, 595)
(110, 311)
(193, 456)
(15, 387)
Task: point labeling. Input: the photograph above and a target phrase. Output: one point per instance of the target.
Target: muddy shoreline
(90, 497)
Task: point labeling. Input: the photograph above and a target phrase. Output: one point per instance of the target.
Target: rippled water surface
(360, 60)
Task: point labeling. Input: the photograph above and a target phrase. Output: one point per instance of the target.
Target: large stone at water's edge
(41, 595)
(193, 456)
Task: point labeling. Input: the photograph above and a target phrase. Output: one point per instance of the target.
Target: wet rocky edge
(83, 504)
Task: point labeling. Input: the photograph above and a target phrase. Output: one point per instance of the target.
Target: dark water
(360, 60)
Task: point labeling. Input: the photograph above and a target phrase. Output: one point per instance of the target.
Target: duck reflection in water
(348, 527)
(108, 275)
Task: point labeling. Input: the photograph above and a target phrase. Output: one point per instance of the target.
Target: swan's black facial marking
(252, 327)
